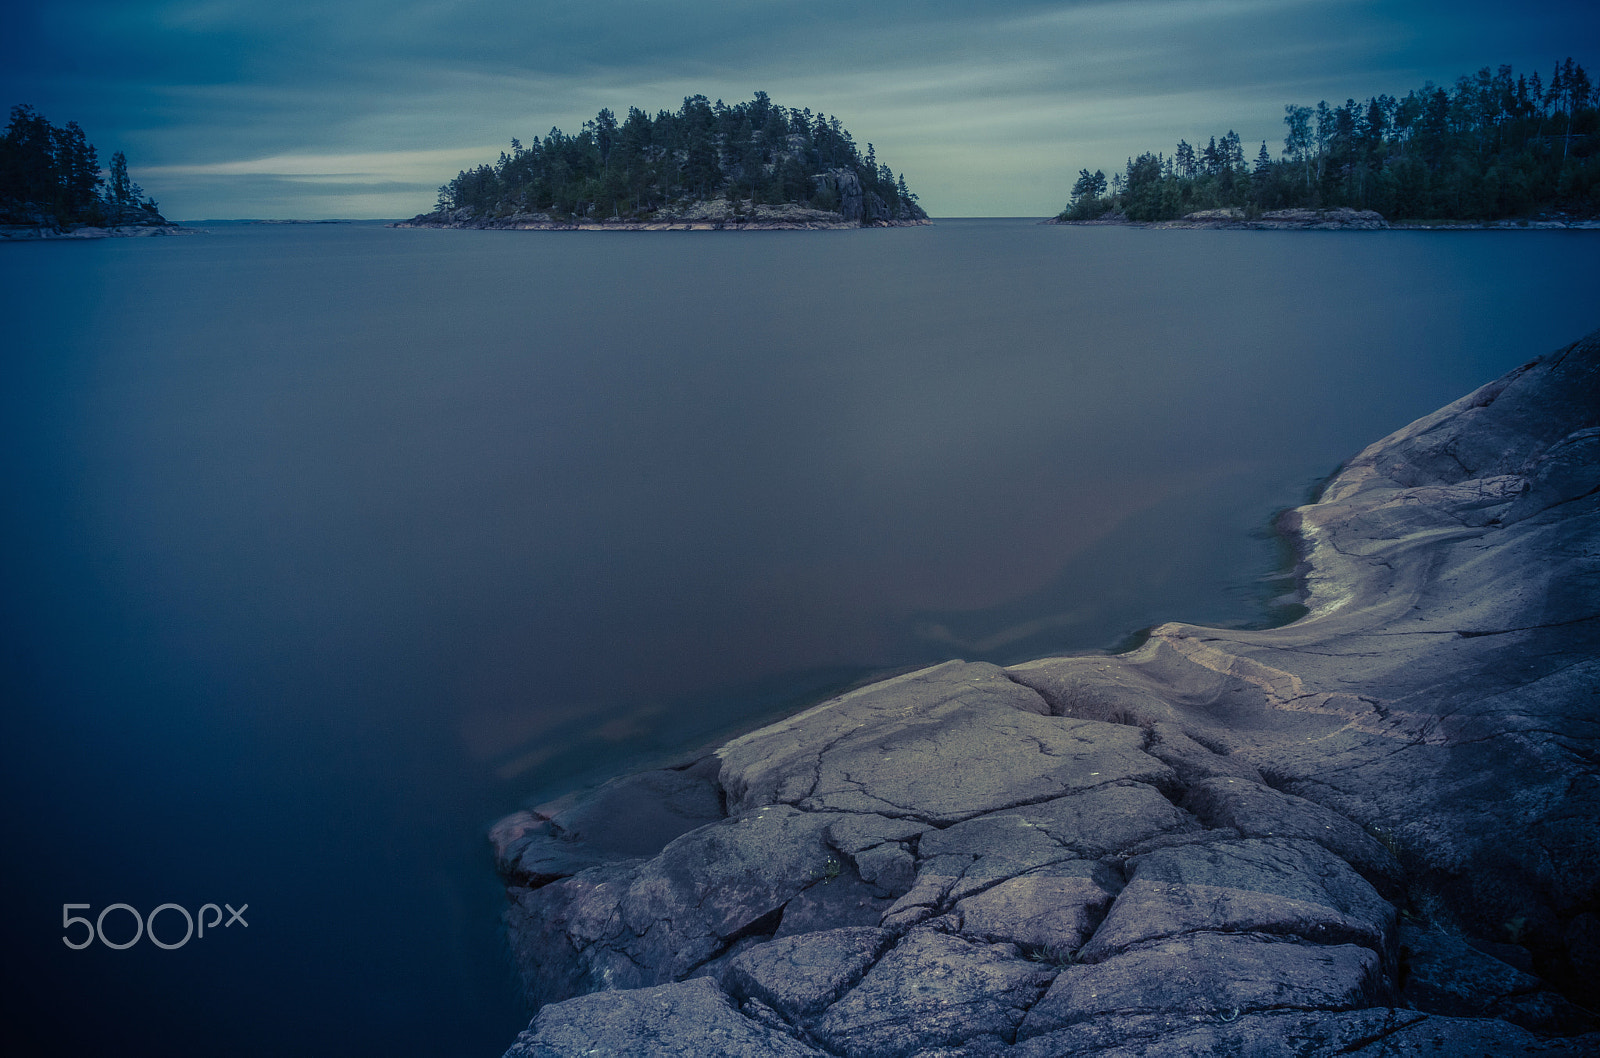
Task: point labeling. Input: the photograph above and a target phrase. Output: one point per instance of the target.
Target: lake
(326, 545)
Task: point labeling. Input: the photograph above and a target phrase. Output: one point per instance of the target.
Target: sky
(359, 109)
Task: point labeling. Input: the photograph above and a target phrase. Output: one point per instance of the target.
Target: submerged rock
(1204, 845)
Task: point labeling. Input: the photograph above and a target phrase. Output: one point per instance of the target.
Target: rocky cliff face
(860, 207)
(1371, 831)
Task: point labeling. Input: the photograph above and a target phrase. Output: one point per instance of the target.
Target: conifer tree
(1496, 145)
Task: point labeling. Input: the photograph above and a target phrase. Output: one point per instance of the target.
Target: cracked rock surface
(1372, 831)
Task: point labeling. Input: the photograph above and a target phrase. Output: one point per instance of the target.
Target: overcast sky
(362, 108)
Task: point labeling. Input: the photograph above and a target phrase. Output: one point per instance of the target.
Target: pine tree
(1487, 148)
(1183, 159)
(754, 151)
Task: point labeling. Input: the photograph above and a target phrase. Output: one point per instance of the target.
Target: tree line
(51, 176)
(1497, 145)
(756, 152)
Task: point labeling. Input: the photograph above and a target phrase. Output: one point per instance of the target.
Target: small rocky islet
(1371, 831)
(51, 187)
(752, 166)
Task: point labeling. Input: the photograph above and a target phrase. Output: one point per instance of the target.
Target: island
(1498, 149)
(751, 166)
(1375, 830)
(51, 186)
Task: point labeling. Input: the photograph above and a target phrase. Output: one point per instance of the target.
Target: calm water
(324, 546)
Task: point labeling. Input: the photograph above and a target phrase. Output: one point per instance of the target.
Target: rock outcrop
(861, 207)
(1342, 219)
(716, 214)
(1373, 831)
(90, 231)
(28, 221)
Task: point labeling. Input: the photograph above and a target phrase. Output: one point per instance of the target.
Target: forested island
(754, 164)
(1497, 146)
(51, 184)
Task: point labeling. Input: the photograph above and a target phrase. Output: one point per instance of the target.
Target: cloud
(388, 165)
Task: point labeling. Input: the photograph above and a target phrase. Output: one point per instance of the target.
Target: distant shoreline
(1325, 220)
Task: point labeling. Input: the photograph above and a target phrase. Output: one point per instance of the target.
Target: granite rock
(1375, 1032)
(1210, 974)
(694, 1019)
(800, 976)
(933, 990)
(1199, 846)
(1284, 887)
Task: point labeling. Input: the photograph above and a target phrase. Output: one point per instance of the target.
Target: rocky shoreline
(1342, 219)
(1373, 831)
(712, 215)
(30, 232)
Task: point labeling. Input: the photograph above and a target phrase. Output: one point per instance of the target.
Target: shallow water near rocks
(325, 545)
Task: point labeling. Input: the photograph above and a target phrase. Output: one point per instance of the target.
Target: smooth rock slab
(843, 900)
(1051, 911)
(631, 817)
(1280, 886)
(799, 976)
(933, 990)
(1258, 811)
(1209, 973)
(889, 868)
(854, 833)
(978, 853)
(637, 815)
(689, 1020)
(940, 745)
(1081, 826)
(778, 763)
(981, 761)
(1375, 1033)
(941, 881)
(1445, 975)
(650, 923)
(880, 849)
(529, 853)
(713, 883)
